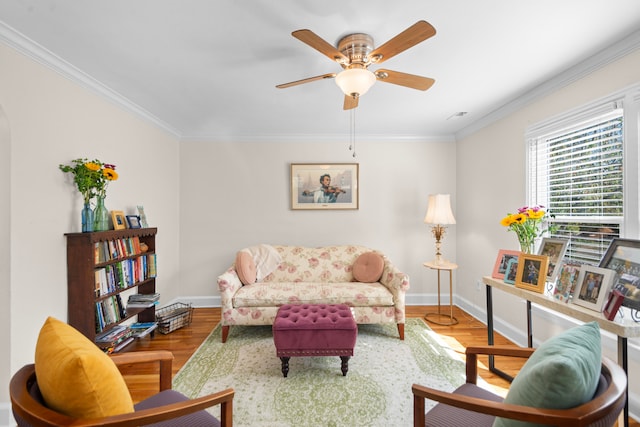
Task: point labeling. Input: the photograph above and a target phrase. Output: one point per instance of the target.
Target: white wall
(52, 120)
(491, 183)
(238, 194)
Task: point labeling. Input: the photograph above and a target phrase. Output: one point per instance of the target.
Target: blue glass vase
(87, 218)
(100, 216)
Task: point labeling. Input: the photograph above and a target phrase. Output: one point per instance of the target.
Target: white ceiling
(208, 69)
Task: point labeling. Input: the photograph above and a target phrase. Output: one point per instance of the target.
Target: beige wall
(491, 183)
(52, 121)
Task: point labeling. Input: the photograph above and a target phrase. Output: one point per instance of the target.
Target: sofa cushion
(245, 267)
(354, 294)
(368, 267)
(562, 373)
(75, 377)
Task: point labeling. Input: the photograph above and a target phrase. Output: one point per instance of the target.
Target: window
(576, 170)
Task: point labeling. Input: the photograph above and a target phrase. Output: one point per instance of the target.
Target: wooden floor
(183, 343)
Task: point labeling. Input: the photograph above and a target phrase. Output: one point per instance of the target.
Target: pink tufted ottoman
(314, 330)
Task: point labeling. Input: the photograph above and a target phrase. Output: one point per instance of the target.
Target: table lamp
(439, 214)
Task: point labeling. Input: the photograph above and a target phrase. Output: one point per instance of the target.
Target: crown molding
(45, 57)
(606, 56)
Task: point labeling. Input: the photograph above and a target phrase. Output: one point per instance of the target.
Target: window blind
(576, 173)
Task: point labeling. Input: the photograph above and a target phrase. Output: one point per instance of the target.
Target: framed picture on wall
(324, 186)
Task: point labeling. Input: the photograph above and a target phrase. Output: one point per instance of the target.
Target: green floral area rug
(375, 392)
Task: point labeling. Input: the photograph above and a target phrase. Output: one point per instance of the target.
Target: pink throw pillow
(246, 268)
(368, 267)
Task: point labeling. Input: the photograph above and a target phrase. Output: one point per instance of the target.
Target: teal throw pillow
(562, 373)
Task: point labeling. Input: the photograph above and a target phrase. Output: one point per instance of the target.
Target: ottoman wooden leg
(285, 366)
(345, 364)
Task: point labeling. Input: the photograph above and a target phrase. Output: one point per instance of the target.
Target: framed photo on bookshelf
(593, 286)
(118, 219)
(143, 217)
(133, 221)
(532, 272)
(500, 267)
(554, 249)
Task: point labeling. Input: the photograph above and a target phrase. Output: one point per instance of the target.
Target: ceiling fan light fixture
(355, 81)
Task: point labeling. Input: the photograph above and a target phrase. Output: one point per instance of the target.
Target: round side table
(440, 318)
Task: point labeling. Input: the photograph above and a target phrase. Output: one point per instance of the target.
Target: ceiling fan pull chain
(353, 132)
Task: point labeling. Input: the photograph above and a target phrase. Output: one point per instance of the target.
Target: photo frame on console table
(554, 249)
(623, 257)
(532, 272)
(324, 186)
(500, 267)
(593, 287)
(613, 304)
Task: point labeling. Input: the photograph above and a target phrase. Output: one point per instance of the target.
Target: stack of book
(115, 339)
(142, 329)
(142, 300)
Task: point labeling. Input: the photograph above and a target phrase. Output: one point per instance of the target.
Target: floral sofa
(303, 275)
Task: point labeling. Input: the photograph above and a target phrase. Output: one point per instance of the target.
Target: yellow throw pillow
(75, 377)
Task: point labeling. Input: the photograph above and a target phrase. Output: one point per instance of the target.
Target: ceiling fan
(356, 52)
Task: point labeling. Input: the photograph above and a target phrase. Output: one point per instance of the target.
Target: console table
(623, 329)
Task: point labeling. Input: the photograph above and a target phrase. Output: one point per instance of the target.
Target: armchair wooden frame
(32, 411)
(608, 404)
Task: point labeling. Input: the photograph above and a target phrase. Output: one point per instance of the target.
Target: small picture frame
(593, 287)
(532, 272)
(554, 249)
(143, 217)
(567, 280)
(511, 271)
(118, 219)
(133, 221)
(500, 267)
(613, 304)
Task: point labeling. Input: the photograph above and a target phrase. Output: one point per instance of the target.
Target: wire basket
(173, 317)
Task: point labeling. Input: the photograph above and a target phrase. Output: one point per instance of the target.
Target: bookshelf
(100, 267)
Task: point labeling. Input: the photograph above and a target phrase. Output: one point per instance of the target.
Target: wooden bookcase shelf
(113, 254)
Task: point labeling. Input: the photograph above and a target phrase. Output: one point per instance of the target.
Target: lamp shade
(355, 81)
(439, 210)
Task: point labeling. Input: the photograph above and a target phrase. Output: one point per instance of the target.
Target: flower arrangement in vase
(528, 224)
(92, 178)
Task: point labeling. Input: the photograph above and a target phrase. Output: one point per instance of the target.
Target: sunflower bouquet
(91, 177)
(527, 223)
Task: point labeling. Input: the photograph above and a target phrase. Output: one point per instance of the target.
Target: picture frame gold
(324, 186)
(532, 272)
(119, 221)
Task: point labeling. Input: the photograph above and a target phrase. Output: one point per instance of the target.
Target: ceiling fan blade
(319, 44)
(403, 79)
(410, 37)
(350, 102)
(307, 80)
